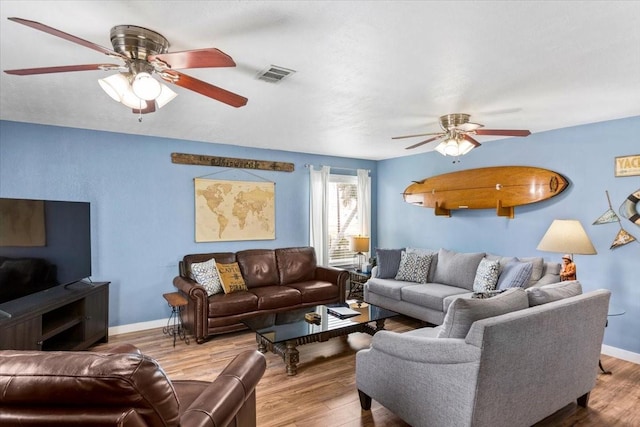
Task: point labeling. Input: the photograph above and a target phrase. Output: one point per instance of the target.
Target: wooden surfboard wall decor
(501, 188)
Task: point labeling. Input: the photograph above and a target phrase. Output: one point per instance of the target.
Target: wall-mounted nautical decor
(499, 187)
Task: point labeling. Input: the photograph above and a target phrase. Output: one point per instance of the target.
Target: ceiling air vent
(274, 74)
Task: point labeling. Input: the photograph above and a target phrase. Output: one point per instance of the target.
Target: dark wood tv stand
(66, 317)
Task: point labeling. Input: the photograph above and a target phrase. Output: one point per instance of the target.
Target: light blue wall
(583, 154)
(142, 205)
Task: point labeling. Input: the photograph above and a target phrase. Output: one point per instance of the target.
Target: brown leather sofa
(122, 388)
(277, 280)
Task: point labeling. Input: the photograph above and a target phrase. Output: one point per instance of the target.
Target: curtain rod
(307, 165)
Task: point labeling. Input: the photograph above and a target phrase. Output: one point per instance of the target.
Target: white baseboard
(621, 354)
(135, 327)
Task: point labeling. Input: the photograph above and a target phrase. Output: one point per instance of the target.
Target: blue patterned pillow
(486, 276)
(515, 275)
(388, 261)
(414, 267)
(206, 274)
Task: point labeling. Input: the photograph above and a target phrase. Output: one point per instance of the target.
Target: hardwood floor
(324, 393)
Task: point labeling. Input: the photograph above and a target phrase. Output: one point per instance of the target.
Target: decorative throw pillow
(414, 267)
(231, 278)
(206, 274)
(388, 262)
(538, 268)
(515, 275)
(486, 276)
(553, 292)
(457, 268)
(464, 311)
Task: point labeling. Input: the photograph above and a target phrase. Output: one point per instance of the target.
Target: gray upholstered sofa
(513, 366)
(432, 285)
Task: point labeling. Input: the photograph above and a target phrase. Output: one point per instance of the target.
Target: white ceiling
(365, 70)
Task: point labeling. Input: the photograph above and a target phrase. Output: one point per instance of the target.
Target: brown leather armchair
(122, 388)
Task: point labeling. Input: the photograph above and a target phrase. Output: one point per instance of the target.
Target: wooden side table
(356, 281)
(174, 324)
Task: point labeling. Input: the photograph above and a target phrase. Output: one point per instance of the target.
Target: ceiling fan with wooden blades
(457, 135)
(144, 52)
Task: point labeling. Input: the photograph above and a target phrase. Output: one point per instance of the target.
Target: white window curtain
(318, 213)
(364, 202)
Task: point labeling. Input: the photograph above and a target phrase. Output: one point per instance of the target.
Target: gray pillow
(538, 268)
(457, 269)
(464, 311)
(503, 260)
(486, 276)
(553, 292)
(515, 275)
(414, 267)
(388, 261)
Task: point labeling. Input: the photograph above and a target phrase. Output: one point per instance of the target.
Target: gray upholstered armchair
(512, 369)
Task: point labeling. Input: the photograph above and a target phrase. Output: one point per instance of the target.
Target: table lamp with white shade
(567, 236)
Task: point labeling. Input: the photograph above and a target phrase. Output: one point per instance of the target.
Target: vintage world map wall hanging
(234, 210)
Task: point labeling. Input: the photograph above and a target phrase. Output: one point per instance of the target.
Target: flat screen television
(43, 243)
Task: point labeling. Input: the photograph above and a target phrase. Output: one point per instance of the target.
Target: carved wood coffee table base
(289, 352)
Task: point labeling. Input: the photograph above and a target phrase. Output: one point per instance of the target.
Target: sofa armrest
(333, 275)
(195, 318)
(411, 375)
(425, 349)
(230, 396)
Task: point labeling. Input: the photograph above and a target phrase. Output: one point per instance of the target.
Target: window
(339, 207)
(342, 217)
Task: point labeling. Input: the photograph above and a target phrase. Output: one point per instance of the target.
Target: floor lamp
(359, 244)
(567, 236)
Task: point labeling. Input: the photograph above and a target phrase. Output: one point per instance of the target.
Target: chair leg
(583, 400)
(365, 400)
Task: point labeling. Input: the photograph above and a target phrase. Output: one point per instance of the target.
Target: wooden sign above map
(230, 162)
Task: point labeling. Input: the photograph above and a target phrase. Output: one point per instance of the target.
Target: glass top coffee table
(281, 333)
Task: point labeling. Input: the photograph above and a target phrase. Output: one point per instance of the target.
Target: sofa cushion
(515, 275)
(389, 288)
(414, 267)
(231, 278)
(222, 305)
(296, 264)
(187, 260)
(388, 262)
(502, 260)
(206, 275)
(446, 303)
(553, 292)
(316, 290)
(456, 268)
(430, 295)
(538, 268)
(463, 312)
(276, 296)
(258, 267)
(486, 276)
(421, 251)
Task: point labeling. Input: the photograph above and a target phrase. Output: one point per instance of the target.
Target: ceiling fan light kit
(454, 146)
(456, 135)
(144, 52)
